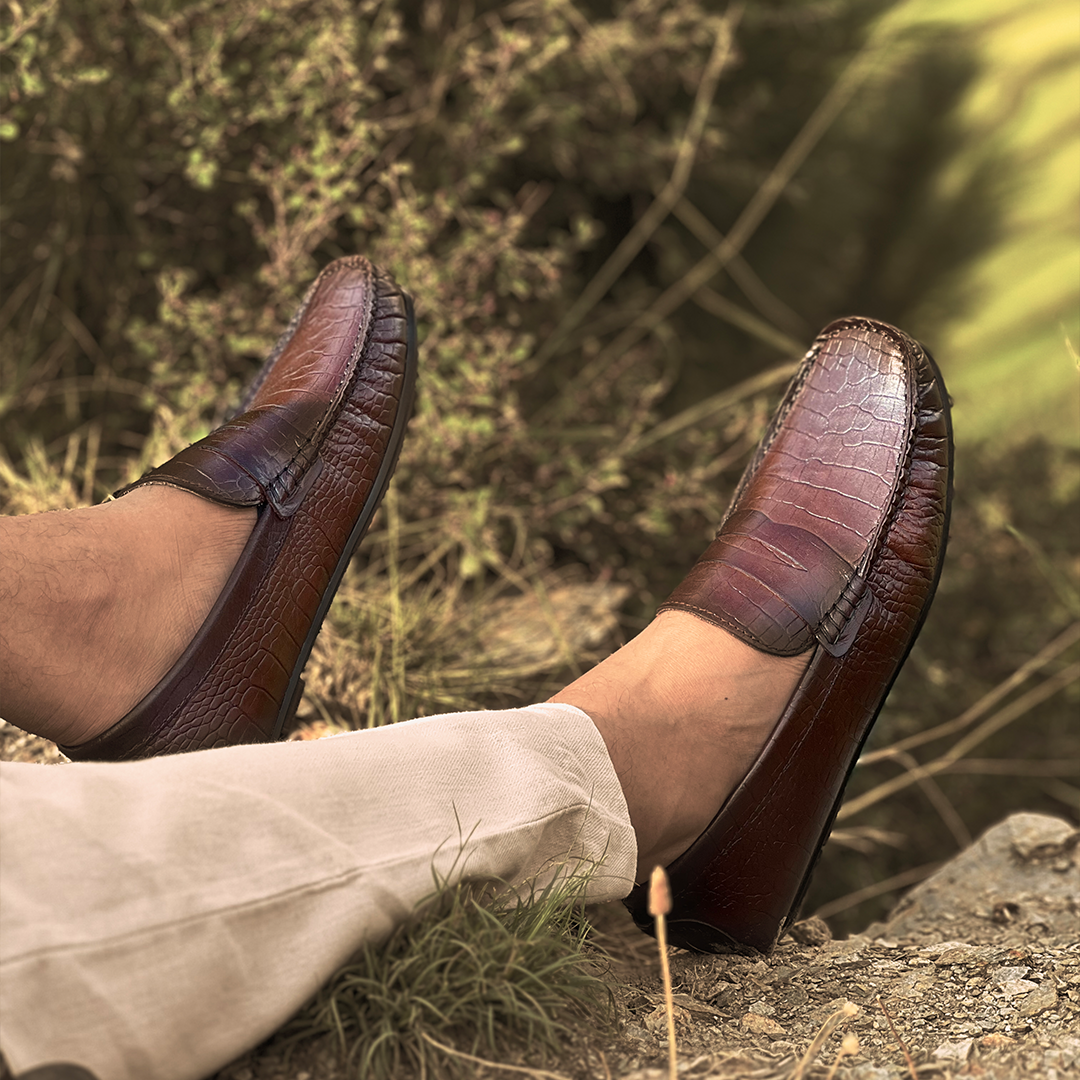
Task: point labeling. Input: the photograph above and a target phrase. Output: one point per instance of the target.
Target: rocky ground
(976, 973)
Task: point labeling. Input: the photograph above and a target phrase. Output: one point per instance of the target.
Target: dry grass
(468, 979)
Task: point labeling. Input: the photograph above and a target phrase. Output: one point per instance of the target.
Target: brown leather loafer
(313, 449)
(834, 542)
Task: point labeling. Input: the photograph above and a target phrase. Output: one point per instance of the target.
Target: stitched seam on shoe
(341, 393)
(737, 628)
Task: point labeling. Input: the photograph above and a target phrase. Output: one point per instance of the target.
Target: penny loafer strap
(264, 456)
(775, 586)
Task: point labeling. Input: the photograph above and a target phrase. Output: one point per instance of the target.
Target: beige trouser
(158, 918)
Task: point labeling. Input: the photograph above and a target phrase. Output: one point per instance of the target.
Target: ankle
(110, 596)
(684, 710)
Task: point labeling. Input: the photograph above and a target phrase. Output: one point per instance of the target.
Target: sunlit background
(1013, 357)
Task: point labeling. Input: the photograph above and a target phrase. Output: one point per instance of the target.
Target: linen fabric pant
(160, 917)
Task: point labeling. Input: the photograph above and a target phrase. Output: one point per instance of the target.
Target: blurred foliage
(1013, 367)
(175, 172)
(1009, 590)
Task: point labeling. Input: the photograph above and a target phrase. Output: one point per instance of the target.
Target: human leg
(160, 917)
(100, 602)
(290, 487)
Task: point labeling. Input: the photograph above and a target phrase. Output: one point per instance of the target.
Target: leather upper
(786, 568)
(264, 454)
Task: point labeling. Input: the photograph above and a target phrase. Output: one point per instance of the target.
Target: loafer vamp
(263, 454)
(787, 565)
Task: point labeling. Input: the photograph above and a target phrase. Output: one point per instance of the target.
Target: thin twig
(607, 1068)
(753, 213)
(1010, 767)
(661, 206)
(897, 881)
(542, 1074)
(723, 308)
(23, 26)
(741, 272)
(716, 403)
(1000, 719)
(1050, 651)
(896, 1035)
(845, 1012)
(940, 802)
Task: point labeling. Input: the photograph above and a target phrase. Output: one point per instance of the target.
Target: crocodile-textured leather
(313, 449)
(834, 541)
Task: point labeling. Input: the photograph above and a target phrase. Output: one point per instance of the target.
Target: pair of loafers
(833, 543)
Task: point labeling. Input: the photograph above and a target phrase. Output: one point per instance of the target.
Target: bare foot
(98, 603)
(684, 709)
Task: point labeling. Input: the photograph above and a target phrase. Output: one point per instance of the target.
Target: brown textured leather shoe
(313, 449)
(834, 542)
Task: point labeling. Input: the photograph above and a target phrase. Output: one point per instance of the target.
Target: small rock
(958, 954)
(1004, 912)
(954, 1051)
(760, 1025)
(996, 1041)
(1043, 997)
(1035, 836)
(793, 998)
(656, 1021)
(812, 931)
(1009, 974)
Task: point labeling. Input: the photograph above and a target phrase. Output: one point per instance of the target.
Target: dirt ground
(976, 973)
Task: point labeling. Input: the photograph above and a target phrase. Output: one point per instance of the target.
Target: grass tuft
(467, 977)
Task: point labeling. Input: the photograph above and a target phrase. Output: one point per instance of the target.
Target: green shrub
(462, 983)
